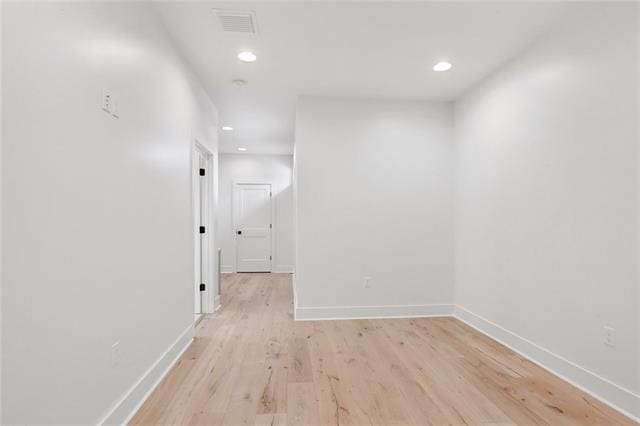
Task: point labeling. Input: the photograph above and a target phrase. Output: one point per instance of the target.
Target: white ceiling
(354, 49)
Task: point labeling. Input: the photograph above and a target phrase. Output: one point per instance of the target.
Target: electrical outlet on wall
(109, 103)
(367, 282)
(115, 354)
(609, 336)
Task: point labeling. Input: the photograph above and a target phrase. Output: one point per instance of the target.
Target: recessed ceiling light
(442, 66)
(247, 56)
(242, 149)
(227, 128)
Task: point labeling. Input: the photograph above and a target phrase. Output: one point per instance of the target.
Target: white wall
(374, 187)
(546, 197)
(96, 211)
(274, 169)
(1, 328)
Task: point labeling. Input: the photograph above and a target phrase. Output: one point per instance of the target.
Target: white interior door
(253, 227)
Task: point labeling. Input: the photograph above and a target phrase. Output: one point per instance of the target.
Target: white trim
(227, 269)
(207, 302)
(371, 312)
(122, 412)
(198, 317)
(615, 396)
(295, 296)
(286, 269)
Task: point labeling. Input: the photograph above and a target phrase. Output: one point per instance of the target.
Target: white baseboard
(615, 396)
(371, 312)
(279, 269)
(295, 294)
(283, 269)
(128, 405)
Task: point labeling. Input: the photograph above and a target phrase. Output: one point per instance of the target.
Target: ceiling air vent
(237, 21)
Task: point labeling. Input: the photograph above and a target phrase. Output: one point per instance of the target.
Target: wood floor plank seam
(251, 363)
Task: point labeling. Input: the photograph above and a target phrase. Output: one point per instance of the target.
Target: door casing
(207, 296)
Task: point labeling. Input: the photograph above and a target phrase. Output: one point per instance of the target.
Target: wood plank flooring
(252, 364)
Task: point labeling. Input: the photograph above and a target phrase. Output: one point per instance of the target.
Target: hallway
(252, 364)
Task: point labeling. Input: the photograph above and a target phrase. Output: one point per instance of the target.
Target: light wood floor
(252, 364)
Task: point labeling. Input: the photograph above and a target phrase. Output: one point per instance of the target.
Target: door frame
(234, 219)
(207, 296)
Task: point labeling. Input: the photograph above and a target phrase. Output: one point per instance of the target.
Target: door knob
(239, 232)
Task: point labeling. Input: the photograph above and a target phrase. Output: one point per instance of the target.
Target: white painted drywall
(1, 7)
(374, 199)
(546, 193)
(638, 214)
(97, 216)
(274, 169)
